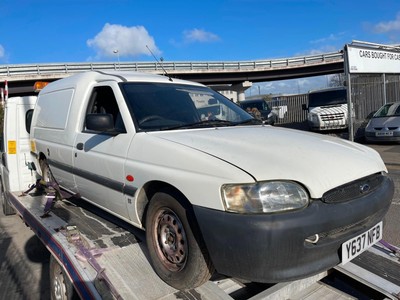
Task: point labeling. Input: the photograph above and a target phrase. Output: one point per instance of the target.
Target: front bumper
(272, 248)
(370, 136)
(327, 126)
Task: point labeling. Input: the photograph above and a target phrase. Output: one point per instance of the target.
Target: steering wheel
(150, 118)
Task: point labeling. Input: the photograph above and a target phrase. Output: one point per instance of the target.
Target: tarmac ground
(390, 154)
(24, 260)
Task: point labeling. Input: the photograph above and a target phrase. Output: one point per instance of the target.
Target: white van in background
(327, 109)
(15, 149)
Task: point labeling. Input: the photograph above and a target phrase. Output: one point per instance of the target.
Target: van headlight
(314, 118)
(264, 197)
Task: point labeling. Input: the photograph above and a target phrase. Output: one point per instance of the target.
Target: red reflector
(130, 178)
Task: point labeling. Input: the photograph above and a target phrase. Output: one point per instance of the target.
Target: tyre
(177, 251)
(47, 176)
(61, 287)
(7, 208)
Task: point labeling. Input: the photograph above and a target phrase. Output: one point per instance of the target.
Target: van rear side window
(59, 101)
(28, 120)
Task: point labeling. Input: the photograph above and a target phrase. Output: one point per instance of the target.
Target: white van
(327, 109)
(15, 148)
(224, 194)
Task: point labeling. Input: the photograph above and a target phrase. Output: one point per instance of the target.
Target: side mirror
(99, 122)
(304, 107)
(212, 101)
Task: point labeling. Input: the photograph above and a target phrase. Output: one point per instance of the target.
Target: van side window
(102, 101)
(28, 120)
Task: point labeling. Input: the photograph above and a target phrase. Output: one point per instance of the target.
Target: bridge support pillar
(240, 88)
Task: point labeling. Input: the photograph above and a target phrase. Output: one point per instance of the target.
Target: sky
(58, 31)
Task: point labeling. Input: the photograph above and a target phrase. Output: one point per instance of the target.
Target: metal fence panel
(368, 93)
(289, 110)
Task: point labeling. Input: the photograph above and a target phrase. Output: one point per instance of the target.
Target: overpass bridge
(229, 75)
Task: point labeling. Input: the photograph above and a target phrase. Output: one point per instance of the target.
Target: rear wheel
(176, 249)
(7, 208)
(60, 286)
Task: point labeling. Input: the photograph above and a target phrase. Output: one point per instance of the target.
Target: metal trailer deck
(107, 259)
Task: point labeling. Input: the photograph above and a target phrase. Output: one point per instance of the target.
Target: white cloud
(321, 50)
(290, 86)
(129, 41)
(330, 38)
(199, 35)
(390, 26)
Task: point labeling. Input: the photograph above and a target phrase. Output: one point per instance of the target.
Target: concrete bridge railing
(18, 70)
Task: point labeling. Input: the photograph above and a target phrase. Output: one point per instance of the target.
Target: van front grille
(353, 190)
(332, 117)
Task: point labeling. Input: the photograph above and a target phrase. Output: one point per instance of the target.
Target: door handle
(79, 146)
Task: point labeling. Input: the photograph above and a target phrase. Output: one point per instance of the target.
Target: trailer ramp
(110, 259)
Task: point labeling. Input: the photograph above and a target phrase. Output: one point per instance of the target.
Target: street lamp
(117, 52)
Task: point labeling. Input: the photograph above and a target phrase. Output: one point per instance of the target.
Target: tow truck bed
(106, 258)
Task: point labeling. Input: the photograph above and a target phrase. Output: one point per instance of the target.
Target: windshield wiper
(202, 124)
(250, 122)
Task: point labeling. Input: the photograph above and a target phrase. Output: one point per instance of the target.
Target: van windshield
(165, 106)
(324, 98)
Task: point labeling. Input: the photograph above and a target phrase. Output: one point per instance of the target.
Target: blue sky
(50, 31)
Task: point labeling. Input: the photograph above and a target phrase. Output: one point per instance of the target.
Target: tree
(337, 80)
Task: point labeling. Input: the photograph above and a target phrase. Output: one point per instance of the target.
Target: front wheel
(175, 245)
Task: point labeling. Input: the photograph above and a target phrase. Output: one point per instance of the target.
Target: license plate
(386, 133)
(362, 242)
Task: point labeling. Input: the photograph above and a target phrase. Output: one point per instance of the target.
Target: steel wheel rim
(59, 285)
(171, 240)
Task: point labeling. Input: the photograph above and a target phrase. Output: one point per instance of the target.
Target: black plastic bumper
(272, 247)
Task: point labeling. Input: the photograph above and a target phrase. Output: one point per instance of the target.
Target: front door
(99, 157)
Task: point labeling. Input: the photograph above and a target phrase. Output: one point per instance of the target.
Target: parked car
(384, 126)
(214, 188)
(259, 108)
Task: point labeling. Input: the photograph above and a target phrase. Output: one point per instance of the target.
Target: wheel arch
(148, 191)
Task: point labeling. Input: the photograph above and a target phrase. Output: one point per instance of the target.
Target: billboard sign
(372, 60)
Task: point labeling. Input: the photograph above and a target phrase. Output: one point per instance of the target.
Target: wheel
(7, 208)
(47, 176)
(176, 248)
(45, 169)
(60, 286)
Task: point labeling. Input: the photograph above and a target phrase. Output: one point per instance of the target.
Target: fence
(368, 93)
(289, 110)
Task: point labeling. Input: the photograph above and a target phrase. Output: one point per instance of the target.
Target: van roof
(91, 77)
(328, 89)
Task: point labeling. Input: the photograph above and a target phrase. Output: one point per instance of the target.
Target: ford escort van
(219, 193)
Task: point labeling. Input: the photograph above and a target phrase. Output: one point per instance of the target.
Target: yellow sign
(12, 147)
(33, 146)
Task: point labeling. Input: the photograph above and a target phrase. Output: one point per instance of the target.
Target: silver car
(384, 126)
